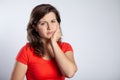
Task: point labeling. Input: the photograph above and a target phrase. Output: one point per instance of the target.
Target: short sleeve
(23, 55)
(66, 47)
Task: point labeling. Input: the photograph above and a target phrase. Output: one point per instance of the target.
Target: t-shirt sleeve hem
(21, 61)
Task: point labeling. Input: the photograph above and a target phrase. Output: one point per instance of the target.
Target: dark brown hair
(33, 37)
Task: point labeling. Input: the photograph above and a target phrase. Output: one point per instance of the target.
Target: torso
(41, 68)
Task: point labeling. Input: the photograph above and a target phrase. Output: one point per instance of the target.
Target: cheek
(40, 31)
(56, 27)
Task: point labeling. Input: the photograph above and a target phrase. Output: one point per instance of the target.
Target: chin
(48, 38)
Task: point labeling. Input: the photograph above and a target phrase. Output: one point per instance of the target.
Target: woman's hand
(56, 36)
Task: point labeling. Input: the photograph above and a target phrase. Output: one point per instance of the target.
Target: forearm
(67, 66)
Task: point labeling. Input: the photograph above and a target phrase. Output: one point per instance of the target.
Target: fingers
(56, 36)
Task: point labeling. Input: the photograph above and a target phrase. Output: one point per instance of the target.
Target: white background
(92, 27)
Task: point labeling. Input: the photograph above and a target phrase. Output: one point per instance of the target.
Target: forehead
(48, 16)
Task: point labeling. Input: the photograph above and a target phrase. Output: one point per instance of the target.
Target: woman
(45, 56)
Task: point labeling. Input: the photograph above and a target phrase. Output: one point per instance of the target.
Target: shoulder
(26, 47)
(24, 53)
(65, 46)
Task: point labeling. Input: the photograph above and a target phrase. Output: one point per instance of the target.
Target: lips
(49, 33)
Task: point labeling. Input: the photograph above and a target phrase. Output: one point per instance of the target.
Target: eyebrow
(45, 20)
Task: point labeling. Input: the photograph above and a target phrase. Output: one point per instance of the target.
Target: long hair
(32, 35)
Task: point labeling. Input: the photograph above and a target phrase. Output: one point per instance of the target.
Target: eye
(53, 21)
(43, 23)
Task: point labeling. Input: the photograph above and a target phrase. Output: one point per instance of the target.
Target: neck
(46, 41)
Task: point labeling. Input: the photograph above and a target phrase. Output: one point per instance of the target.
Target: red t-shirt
(39, 68)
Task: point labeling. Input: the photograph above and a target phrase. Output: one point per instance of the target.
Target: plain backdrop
(92, 27)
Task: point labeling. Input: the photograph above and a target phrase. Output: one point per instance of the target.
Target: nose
(49, 26)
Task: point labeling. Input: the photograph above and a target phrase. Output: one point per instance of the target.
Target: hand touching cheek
(56, 36)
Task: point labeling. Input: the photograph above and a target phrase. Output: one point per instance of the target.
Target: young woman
(44, 56)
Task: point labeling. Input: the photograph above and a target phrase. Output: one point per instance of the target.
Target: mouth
(49, 33)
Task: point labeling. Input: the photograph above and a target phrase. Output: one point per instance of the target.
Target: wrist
(53, 42)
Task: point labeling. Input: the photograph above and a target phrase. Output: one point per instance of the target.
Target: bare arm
(66, 60)
(19, 71)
